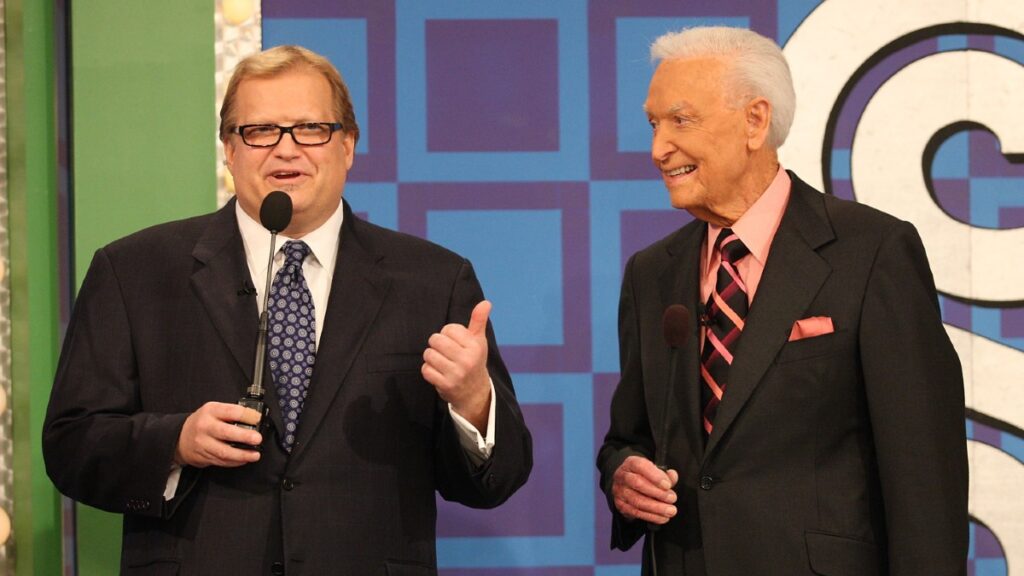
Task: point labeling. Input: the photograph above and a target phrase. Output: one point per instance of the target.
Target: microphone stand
(254, 394)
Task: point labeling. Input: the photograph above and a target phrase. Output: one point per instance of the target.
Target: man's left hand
(455, 363)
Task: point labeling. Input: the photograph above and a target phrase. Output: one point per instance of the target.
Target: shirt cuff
(172, 482)
(477, 446)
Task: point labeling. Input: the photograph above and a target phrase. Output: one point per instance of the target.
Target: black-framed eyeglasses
(306, 134)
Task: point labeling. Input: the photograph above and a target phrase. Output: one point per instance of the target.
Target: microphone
(702, 317)
(675, 324)
(247, 288)
(275, 214)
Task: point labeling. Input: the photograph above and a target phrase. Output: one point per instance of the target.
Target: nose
(287, 147)
(661, 148)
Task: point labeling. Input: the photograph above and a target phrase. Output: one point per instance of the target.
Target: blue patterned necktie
(291, 342)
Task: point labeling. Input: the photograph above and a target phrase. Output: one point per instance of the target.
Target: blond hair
(277, 61)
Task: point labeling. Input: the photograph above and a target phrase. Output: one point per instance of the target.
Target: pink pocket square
(811, 327)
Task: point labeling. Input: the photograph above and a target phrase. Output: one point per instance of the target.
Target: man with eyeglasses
(383, 379)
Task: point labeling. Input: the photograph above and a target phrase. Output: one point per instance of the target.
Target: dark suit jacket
(162, 326)
(842, 454)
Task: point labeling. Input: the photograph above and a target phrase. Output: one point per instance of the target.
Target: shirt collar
(322, 242)
(757, 226)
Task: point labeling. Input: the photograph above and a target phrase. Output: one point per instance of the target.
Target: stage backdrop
(512, 132)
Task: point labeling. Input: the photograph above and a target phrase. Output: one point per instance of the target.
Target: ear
(759, 119)
(229, 153)
(349, 150)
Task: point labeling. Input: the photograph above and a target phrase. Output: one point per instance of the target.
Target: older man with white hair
(789, 402)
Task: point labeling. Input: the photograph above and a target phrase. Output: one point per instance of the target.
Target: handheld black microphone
(675, 326)
(275, 214)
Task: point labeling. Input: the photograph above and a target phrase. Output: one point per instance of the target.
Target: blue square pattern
(607, 201)
(1012, 48)
(575, 547)
(633, 38)
(952, 159)
(571, 162)
(951, 43)
(841, 164)
(343, 42)
(378, 200)
(791, 14)
(517, 255)
(988, 195)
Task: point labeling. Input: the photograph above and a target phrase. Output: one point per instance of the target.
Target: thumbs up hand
(455, 363)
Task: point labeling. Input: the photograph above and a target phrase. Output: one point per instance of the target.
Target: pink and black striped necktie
(726, 310)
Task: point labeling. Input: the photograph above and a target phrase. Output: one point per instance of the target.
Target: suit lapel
(358, 289)
(792, 277)
(679, 283)
(219, 276)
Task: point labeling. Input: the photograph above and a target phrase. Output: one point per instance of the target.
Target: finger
(231, 412)
(446, 346)
(478, 319)
(673, 477)
(438, 361)
(637, 505)
(647, 470)
(435, 379)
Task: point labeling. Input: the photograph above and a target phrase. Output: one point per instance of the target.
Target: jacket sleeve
(99, 447)
(629, 433)
(915, 394)
(496, 479)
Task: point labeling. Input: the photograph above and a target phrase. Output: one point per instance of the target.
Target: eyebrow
(673, 109)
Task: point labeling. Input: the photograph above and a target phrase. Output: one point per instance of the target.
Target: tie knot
(731, 246)
(295, 252)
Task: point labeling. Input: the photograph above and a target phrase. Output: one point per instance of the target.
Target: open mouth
(682, 170)
(285, 175)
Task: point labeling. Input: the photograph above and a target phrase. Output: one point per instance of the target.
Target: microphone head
(676, 324)
(276, 211)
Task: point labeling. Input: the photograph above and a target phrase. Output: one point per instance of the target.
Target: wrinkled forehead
(684, 84)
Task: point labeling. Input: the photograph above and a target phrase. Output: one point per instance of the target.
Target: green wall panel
(144, 149)
(143, 117)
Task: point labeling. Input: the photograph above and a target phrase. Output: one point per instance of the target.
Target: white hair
(757, 67)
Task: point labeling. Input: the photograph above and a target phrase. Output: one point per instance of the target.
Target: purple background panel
(954, 197)
(956, 313)
(492, 85)
(986, 545)
(604, 387)
(572, 198)
(1012, 323)
(606, 162)
(641, 228)
(1011, 217)
(538, 508)
(380, 163)
(987, 158)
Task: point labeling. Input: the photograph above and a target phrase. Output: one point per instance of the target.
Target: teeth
(682, 170)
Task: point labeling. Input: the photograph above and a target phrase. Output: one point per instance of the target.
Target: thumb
(478, 319)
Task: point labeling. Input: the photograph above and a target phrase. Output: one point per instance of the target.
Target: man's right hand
(205, 437)
(642, 491)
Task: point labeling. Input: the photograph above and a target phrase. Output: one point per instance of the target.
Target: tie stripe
(726, 309)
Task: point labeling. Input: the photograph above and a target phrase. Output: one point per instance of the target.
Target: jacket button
(287, 484)
(706, 482)
(277, 569)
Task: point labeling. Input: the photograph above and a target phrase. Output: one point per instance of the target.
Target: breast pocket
(814, 347)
